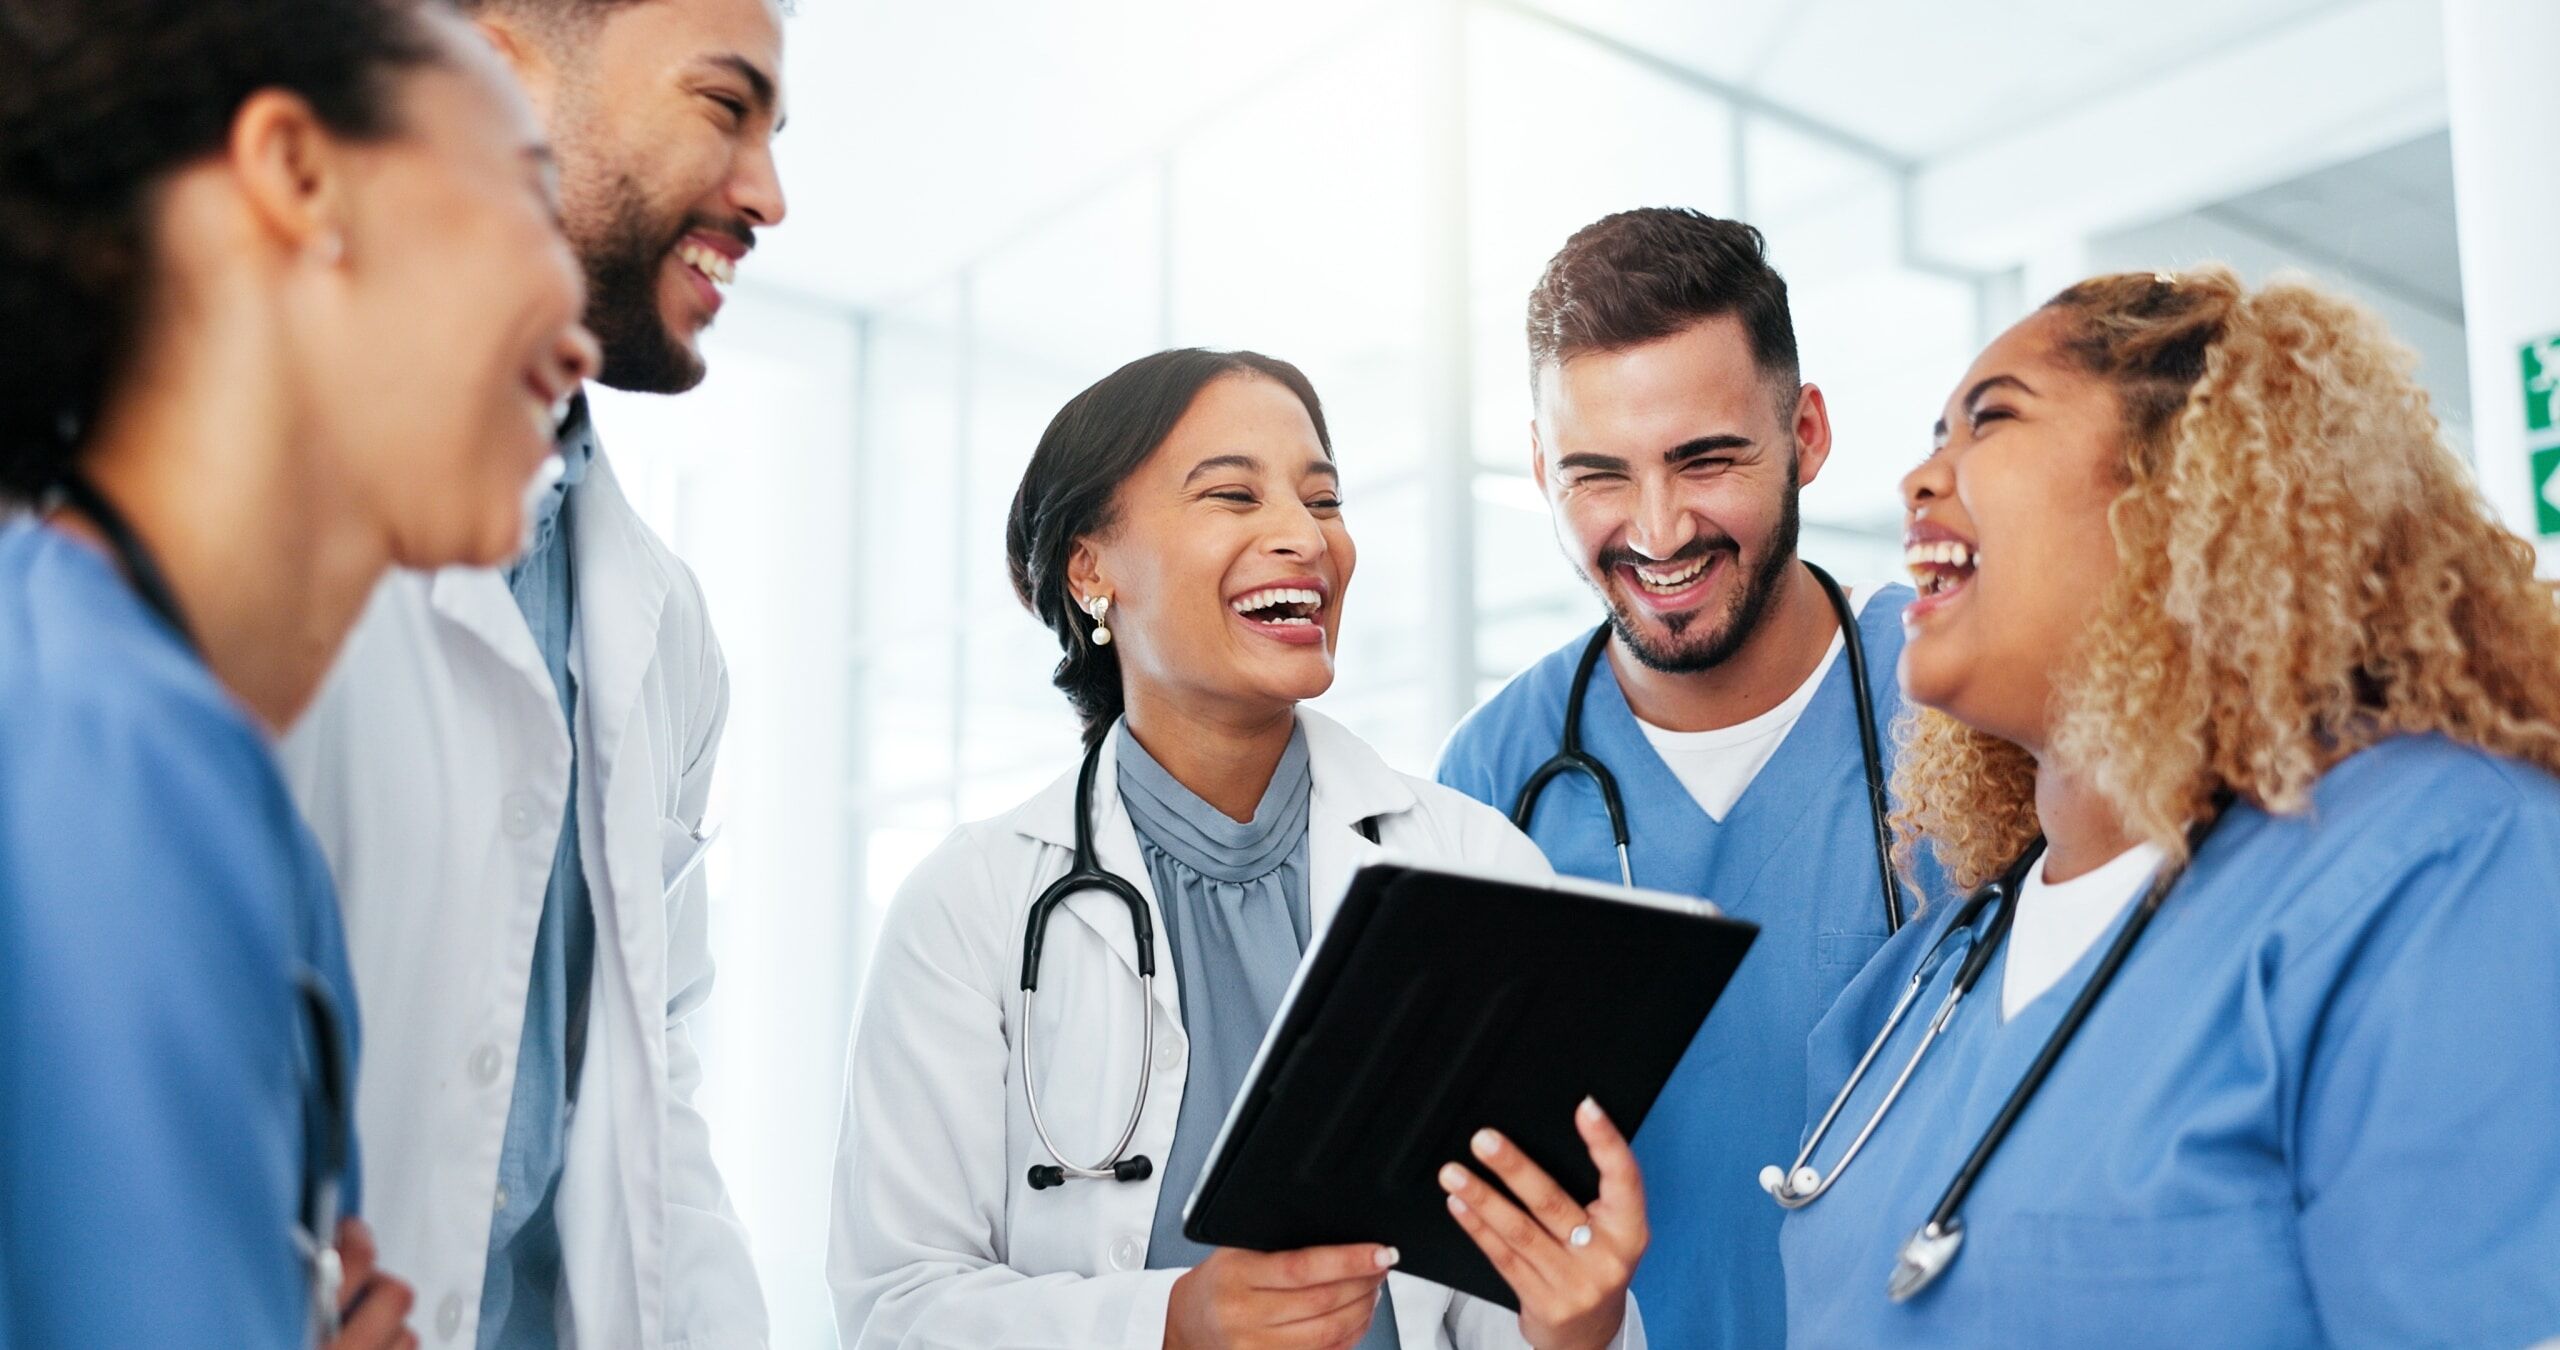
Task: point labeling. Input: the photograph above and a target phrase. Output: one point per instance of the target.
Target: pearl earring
(1100, 608)
(329, 249)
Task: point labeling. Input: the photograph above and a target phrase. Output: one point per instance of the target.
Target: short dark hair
(1633, 277)
(1092, 446)
(572, 15)
(100, 102)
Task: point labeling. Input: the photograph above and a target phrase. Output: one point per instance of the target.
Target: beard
(1697, 641)
(624, 264)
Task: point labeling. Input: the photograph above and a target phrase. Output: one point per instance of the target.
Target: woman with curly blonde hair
(2248, 714)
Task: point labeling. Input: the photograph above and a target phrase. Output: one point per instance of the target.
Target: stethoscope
(1928, 1252)
(324, 1101)
(1086, 873)
(1570, 757)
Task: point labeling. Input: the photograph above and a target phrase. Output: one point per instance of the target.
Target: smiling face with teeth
(664, 114)
(1226, 559)
(2006, 533)
(1672, 467)
(435, 402)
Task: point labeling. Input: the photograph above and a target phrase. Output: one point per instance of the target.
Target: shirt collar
(575, 443)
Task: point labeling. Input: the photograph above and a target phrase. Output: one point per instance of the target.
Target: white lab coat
(434, 769)
(938, 1240)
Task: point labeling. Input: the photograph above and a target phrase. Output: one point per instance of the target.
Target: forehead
(1704, 373)
(2029, 348)
(1243, 414)
(468, 92)
(681, 30)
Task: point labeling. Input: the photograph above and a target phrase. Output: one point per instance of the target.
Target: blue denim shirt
(519, 1301)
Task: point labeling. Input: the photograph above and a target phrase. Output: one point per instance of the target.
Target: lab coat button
(518, 819)
(1168, 1057)
(449, 1316)
(484, 1065)
(500, 1203)
(1125, 1254)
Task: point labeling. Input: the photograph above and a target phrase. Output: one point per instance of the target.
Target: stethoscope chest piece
(1924, 1258)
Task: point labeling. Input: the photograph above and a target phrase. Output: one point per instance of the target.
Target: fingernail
(1487, 1143)
(1590, 1111)
(1457, 1206)
(1387, 1258)
(1452, 1176)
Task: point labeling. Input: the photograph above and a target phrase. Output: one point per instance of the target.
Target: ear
(1813, 434)
(1085, 577)
(527, 54)
(1537, 456)
(291, 172)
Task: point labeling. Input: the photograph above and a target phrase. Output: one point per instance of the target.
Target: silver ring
(1579, 1237)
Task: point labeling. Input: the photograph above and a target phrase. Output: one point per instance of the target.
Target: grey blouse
(1232, 897)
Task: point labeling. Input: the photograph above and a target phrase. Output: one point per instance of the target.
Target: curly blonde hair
(2304, 569)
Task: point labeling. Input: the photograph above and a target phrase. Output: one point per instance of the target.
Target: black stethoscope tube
(1929, 1251)
(1570, 757)
(1086, 872)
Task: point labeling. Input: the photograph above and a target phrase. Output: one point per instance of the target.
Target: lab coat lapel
(622, 592)
(1352, 784)
(476, 601)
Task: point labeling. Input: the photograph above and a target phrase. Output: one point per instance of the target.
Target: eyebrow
(1703, 446)
(1248, 464)
(1974, 396)
(1675, 456)
(760, 85)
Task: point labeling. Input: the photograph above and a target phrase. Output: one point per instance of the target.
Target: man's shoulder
(1513, 731)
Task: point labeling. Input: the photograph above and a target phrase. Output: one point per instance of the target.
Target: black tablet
(1437, 1003)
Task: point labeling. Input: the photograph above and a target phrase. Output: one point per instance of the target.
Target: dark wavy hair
(101, 101)
(1069, 492)
(1636, 276)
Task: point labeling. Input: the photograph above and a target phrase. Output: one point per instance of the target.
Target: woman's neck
(268, 568)
(1225, 756)
(2082, 832)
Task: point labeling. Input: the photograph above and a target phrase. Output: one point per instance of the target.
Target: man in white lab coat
(508, 770)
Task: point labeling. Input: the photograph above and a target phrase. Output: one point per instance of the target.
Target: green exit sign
(2541, 384)
(2541, 359)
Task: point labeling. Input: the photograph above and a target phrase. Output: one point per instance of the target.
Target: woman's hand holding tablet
(1307, 1299)
(1569, 1265)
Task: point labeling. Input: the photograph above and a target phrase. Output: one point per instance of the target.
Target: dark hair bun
(100, 101)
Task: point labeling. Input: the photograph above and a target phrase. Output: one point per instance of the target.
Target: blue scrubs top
(159, 897)
(2319, 1105)
(1796, 855)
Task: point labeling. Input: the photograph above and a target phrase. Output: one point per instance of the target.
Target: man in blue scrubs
(1671, 438)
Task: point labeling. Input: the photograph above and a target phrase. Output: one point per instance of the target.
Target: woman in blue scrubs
(241, 382)
(2229, 671)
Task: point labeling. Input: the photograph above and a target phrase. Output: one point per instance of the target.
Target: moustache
(1613, 558)
(730, 229)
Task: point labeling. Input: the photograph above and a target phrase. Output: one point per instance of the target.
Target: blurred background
(996, 202)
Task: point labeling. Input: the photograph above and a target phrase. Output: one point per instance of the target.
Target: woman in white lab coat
(1181, 528)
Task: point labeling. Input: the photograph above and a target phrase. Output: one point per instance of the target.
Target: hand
(1571, 1298)
(1315, 1298)
(373, 1307)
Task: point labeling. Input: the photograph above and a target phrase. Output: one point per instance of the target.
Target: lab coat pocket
(681, 850)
